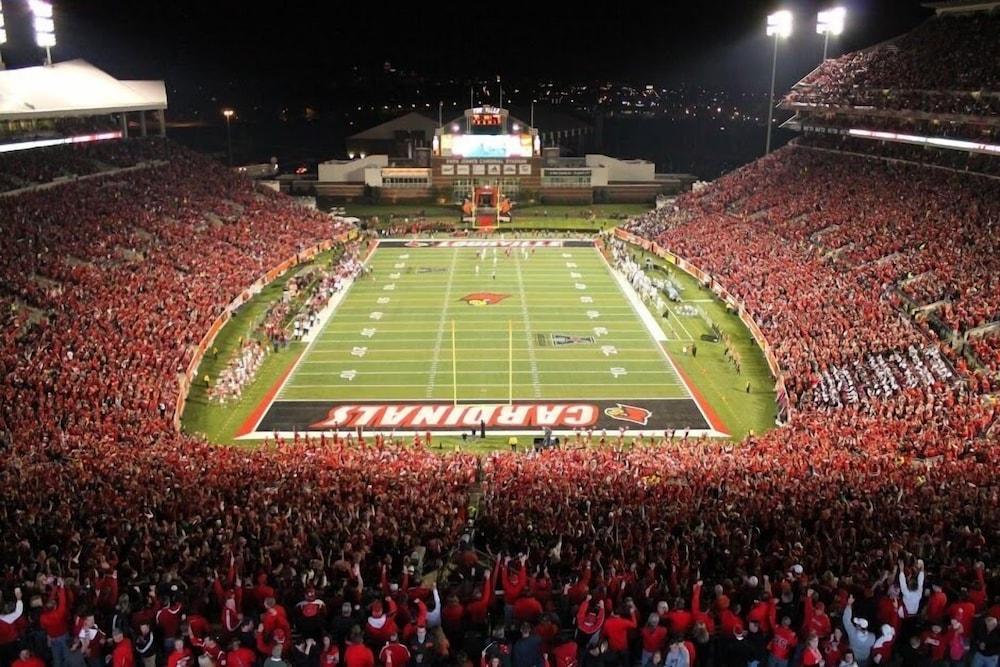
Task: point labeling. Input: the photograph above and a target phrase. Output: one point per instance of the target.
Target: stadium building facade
(486, 147)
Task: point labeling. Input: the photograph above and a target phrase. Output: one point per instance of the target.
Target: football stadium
(465, 377)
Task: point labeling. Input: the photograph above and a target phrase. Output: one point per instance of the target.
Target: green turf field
(409, 303)
(391, 338)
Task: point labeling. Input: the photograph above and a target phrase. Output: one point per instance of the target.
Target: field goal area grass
(447, 336)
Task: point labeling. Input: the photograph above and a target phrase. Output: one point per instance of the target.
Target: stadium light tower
(45, 28)
(229, 113)
(830, 22)
(779, 25)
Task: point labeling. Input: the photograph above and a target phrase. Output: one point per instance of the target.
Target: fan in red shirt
(565, 655)
(275, 618)
(180, 656)
(27, 659)
(814, 619)
(936, 643)
(882, 649)
(240, 655)
(477, 610)
(617, 627)
(527, 608)
(937, 603)
(357, 654)
(55, 618)
(394, 654)
(168, 618)
(330, 656)
(380, 625)
(589, 622)
(122, 655)
(654, 637)
(811, 656)
(513, 583)
(679, 619)
(784, 639)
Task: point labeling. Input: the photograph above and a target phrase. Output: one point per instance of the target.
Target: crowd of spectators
(987, 350)
(964, 161)
(22, 169)
(936, 67)
(862, 232)
(123, 540)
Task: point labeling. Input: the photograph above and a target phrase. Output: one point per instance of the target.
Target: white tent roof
(73, 88)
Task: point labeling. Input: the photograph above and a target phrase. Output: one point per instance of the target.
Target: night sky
(304, 75)
(292, 47)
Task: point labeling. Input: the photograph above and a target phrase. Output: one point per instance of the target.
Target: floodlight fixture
(40, 8)
(45, 27)
(779, 24)
(830, 22)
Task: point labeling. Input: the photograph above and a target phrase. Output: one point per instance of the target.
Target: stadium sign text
(432, 416)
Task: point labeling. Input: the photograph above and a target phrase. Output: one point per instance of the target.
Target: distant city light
(831, 22)
(779, 24)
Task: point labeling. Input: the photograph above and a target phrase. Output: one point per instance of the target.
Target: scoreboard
(486, 120)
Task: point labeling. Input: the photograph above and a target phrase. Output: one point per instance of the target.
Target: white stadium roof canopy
(73, 88)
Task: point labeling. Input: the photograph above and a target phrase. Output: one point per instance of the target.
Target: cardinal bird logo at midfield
(484, 298)
(629, 413)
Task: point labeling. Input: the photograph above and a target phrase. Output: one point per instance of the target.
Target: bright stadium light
(40, 8)
(45, 27)
(779, 25)
(830, 22)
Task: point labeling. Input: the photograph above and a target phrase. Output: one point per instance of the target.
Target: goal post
(454, 366)
(510, 361)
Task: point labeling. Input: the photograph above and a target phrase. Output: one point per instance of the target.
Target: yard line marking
(479, 373)
(517, 398)
(680, 322)
(499, 384)
(535, 381)
(436, 354)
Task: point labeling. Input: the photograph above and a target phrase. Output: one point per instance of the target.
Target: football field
(445, 336)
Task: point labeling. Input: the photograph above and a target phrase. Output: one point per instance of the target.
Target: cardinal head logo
(629, 413)
(484, 298)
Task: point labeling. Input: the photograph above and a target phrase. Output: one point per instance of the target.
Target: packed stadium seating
(877, 506)
(22, 169)
(935, 68)
(112, 280)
